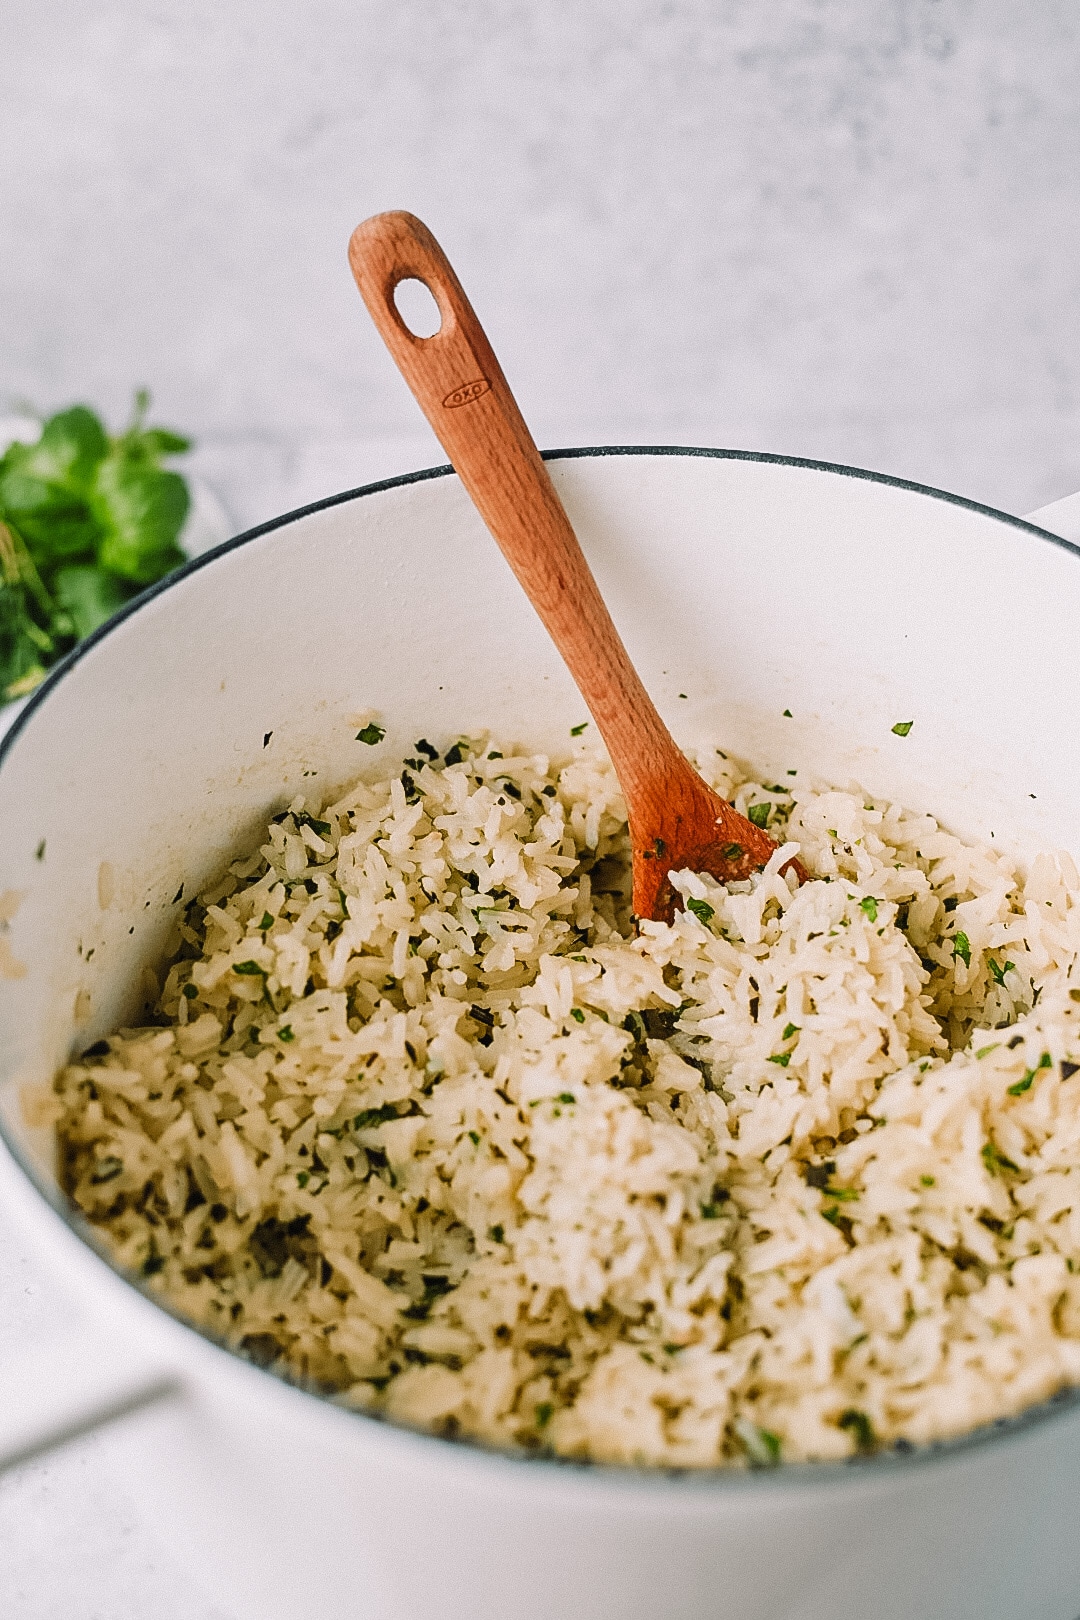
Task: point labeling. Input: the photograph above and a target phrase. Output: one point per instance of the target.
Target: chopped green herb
(577, 1015)
(788, 715)
(860, 1428)
(545, 1411)
(496, 1234)
(474, 1138)
(711, 1211)
(732, 852)
(841, 1222)
(869, 906)
(782, 1058)
(285, 1034)
(1029, 1075)
(374, 1116)
(995, 1160)
(902, 727)
(267, 922)
(759, 814)
(371, 734)
(961, 947)
(789, 1031)
(566, 1097)
(457, 753)
(191, 991)
(997, 972)
(424, 747)
(39, 853)
(927, 1181)
(303, 1177)
(843, 1195)
(249, 969)
(575, 731)
(985, 1051)
(701, 909)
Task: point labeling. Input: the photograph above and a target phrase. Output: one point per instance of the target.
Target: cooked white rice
(425, 1125)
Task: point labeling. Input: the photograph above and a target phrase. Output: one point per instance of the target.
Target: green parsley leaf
(303, 1177)
(85, 519)
(902, 727)
(927, 1181)
(961, 947)
(759, 814)
(782, 1058)
(788, 714)
(141, 509)
(372, 734)
(566, 1097)
(984, 1051)
(575, 731)
(474, 1138)
(869, 907)
(701, 909)
(545, 1411)
(577, 1014)
(266, 922)
(249, 969)
(789, 1031)
(285, 1034)
(997, 972)
(88, 595)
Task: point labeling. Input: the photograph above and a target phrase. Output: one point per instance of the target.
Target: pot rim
(900, 1456)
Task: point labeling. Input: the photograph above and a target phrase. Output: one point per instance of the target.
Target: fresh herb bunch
(86, 520)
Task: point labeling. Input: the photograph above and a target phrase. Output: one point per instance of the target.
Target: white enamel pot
(753, 585)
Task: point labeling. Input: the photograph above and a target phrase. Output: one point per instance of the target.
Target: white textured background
(838, 228)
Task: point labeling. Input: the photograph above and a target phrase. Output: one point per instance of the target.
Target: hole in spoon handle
(448, 371)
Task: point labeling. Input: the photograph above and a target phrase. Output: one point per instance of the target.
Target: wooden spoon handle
(460, 387)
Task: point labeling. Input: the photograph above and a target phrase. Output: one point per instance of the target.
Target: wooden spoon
(676, 821)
